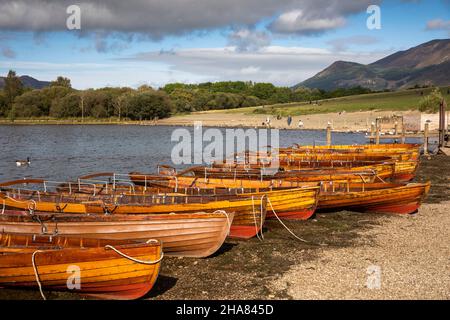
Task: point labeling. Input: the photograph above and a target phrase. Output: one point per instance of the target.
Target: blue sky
(151, 43)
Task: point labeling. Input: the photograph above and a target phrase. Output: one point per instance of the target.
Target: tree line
(60, 100)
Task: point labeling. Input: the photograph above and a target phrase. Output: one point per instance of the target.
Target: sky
(154, 42)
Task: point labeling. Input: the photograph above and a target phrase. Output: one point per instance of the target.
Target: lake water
(62, 152)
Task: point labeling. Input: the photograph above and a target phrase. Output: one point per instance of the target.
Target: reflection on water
(67, 151)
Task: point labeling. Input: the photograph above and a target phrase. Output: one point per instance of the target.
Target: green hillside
(399, 100)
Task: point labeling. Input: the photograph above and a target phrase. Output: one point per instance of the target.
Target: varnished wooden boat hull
(289, 203)
(406, 152)
(405, 171)
(382, 170)
(249, 213)
(230, 182)
(103, 272)
(293, 204)
(400, 199)
(190, 235)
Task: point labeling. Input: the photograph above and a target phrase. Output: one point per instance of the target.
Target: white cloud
(250, 70)
(248, 40)
(276, 64)
(438, 24)
(297, 22)
(280, 65)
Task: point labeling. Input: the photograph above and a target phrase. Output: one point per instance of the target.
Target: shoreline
(350, 122)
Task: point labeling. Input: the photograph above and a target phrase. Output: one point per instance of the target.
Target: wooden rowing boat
(290, 203)
(373, 197)
(287, 203)
(190, 235)
(146, 181)
(384, 170)
(406, 152)
(110, 269)
(244, 180)
(249, 212)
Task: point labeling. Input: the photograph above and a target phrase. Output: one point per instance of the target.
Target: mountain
(28, 82)
(425, 64)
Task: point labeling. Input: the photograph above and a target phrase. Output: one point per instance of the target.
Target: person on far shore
(289, 120)
(300, 124)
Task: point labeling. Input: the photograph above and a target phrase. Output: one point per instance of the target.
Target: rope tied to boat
(4, 205)
(261, 208)
(36, 273)
(259, 233)
(289, 230)
(228, 218)
(146, 262)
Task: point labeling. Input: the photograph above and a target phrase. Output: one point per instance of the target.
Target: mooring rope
(4, 205)
(289, 230)
(261, 215)
(150, 262)
(228, 218)
(36, 274)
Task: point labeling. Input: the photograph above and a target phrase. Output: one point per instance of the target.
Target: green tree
(182, 100)
(430, 103)
(61, 82)
(67, 106)
(4, 109)
(31, 104)
(170, 87)
(282, 95)
(13, 87)
(148, 104)
(120, 101)
(97, 103)
(263, 90)
(250, 101)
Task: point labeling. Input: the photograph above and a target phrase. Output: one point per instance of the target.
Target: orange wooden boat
(110, 269)
(190, 235)
(403, 170)
(244, 180)
(382, 170)
(406, 152)
(146, 181)
(249, 212)
(287, 203)
(373, 197)
(290, 203)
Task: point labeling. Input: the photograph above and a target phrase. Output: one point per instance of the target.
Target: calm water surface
(68, 151)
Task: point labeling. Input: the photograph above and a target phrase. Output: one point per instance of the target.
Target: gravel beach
(410, 254)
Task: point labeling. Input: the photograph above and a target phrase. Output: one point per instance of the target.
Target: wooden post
(329, 135)
(396, 128)
(377, 136)
(425, 139)
(442, 107)
(372, 132)
(403, 134)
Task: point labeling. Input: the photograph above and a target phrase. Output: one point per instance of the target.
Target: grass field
(395, 101)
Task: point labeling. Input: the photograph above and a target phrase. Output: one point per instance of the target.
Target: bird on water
(22, 163)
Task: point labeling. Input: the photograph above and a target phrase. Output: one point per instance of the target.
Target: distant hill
(28, 82)
(426, 64)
